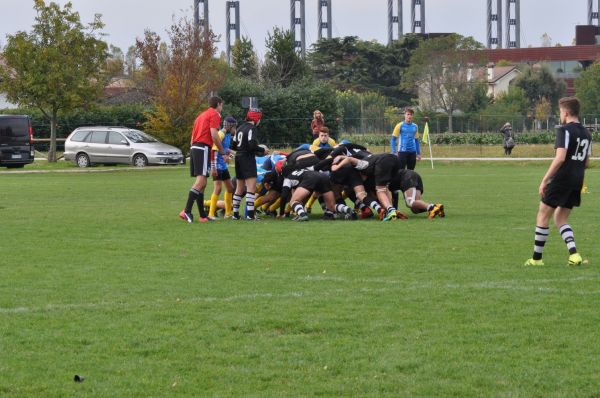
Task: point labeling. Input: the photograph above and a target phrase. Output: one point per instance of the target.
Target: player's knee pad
(409, 201)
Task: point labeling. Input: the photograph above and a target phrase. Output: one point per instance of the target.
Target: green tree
(538, 83)
(245, 61)
(352, 64)
(178, 75)
(586, 87)
(57, 67)
(283, 65)
(438, 73)
(115, 64)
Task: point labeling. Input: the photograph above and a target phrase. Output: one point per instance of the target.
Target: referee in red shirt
(204, 134)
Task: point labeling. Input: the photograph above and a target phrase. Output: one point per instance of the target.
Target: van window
(115, 138)
(98, 137)
(14, 127)
(80, 136)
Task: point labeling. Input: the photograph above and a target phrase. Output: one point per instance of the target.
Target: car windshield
(139, 136)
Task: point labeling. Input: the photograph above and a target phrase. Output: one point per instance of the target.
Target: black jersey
(578, 142)
(245, 139)
(353, 150)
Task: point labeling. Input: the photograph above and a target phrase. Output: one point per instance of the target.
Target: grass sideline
(100, 278)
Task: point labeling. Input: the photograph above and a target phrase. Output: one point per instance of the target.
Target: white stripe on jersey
(567, 139)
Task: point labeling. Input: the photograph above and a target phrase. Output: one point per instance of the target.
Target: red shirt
(209, 119)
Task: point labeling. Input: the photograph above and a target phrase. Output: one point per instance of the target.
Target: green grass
(99, 277)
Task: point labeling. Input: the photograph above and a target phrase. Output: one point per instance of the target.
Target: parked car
(16, 141)
(87, 146)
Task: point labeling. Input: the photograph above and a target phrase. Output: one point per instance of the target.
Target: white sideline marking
(102, 304)
(489, 285)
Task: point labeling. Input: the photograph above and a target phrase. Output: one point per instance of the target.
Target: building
(565, 63)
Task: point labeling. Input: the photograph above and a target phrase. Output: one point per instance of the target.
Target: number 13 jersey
(578, 142)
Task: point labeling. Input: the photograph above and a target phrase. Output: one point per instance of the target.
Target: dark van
(16, 141)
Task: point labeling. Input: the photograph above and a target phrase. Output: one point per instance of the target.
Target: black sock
(200, 202)
(192, 196)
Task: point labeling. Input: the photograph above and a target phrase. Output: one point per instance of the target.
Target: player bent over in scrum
(305, 183)
(410, 184)
(380, 168)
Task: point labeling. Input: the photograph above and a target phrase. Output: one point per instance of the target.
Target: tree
(245, 61)
(115, 64)
(57, 67)
(352, 64)
(131, 61)
(438, 72)
(586, 87)
(283, 65)
(178, 75)
(538, 83)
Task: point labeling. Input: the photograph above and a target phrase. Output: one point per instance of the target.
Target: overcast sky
(126, 19)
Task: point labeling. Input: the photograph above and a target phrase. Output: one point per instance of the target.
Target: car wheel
(140, 160)
(15, 166)
(82, 160)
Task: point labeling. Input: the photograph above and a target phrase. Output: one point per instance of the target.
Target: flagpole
(430, 154)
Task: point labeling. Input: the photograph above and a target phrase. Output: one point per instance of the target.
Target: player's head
(569, 106)
(216, 103)
(254, 115)
(408, 114)
(344, 142)
(229, 123)
(324, 135)
(269, 179)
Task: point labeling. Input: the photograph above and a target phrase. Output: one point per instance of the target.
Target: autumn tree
(439, 73)
(57, 66)
(179, 75)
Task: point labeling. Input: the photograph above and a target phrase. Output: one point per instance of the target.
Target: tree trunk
(450, 127)
(52, 150)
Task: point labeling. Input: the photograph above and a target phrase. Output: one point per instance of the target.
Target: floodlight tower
(394, 20)
(593, 15)
(201, 20)
(494, 20)
(513, 23)
(235, 26)
(325, 25)
(417, 23)
(294, 22)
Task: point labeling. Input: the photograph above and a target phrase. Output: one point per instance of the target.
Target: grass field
(99, 277)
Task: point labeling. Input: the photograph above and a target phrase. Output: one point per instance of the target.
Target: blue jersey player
(220, 171)
(405, 142)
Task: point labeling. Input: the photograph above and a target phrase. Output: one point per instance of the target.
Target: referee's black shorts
(560, 196)
(199, 160)
(245, 166)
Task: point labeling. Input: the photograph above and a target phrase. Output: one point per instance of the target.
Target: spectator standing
(317, 123)
(509, 141)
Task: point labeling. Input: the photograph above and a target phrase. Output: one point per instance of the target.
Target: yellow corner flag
(425, 138)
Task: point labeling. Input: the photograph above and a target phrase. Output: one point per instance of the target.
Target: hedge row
(547, 137)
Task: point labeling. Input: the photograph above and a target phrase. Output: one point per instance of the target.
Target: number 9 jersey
(577, 140)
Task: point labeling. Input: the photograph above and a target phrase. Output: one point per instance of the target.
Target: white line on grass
(483, 285)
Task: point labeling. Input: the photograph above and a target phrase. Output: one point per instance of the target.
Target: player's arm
(418, 148)
(285, 196)
(395, 136)
(559, 159)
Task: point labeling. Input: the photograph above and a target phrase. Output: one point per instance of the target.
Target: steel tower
(201, 20)
(494, 36)
(593, 15)
(324, 25)
(394, 20)
(294, 22)
(417, 23)
(513, 23)
(235, 26)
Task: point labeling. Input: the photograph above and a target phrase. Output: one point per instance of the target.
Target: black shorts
(316, 182)
(347, 176)
(407, 160)
(222, 175)
(559, 196)
(199, 160)
(245, 166)
(385, 168)
(411, 180)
